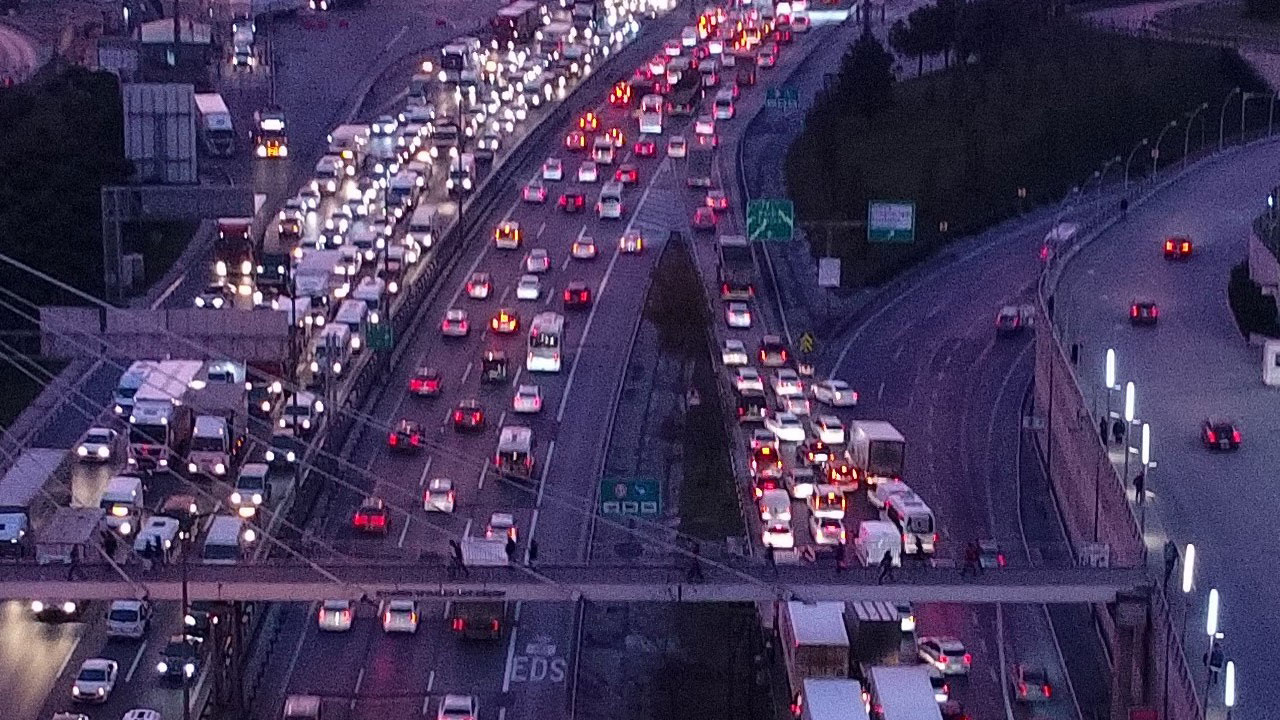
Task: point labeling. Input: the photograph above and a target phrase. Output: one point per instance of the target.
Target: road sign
(380, 336)
(891, 221)
(630, 496)
(773, 219)
(785, 97)
(807, 342)
(828, 272)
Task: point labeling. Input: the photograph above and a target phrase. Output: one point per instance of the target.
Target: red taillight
(1213, 436)
(935, 542)
(1155, 311)
(459, 624)
(495, 625)
(968, 658)
(941, 658)
(475, 417)
(1047, 691)
(1022, 689)
(1000, 560)
(906, 539)
(392, 439)
(378, 521)
(567, 296)
(457, 416)
(1235, 436)
(413, 439)
(1133, 311)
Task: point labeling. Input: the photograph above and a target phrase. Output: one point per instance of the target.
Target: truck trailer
(161, 421)
(877, 450)
(815, 643)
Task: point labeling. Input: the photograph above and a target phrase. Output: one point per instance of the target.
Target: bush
(1255, 313)
(1040, 106)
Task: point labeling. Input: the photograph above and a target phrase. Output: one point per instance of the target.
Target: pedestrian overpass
(297, 582)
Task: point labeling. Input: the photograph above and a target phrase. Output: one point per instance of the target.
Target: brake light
(968, 658)
(495, 626)
(1168, 246)
(1213, 436)
(1235, 436)
(392, 439)
(1133, 311)
(1155, 311)
(935, 542)
(1047, 691)
(1186, 247)
(942, 658)
(1022, 689)
(459, 624)
(475, 416)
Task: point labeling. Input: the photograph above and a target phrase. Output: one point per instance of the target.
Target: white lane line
(541, 229)
(505, 293)
(297, 649)
(404, 531)
(880, 392)
(359, 682)
(542, 482)
(511, 649)
(431, 683)
(484, 473)
(422, 479)
(426, 701)
(484, 249)
(72, 651)
(533, 528)
(168, 291)
(515, 380)
(550, 297)
(137, 658)
(502, 713)
(467, 373)
(565, 264)
(502, 419)
(466, 529)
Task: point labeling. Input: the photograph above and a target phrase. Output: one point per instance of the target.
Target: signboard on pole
(891, 221)
(828, 272)
(630, 496)
(786, 97)
(772, 219)
(379, 336)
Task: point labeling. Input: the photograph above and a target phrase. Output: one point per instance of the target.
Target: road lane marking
(505, 293)
(541, 228)
(467, 373)
(359, 682)
(511, 649)
(533, 528)
(502, 713)
(484, 472)
(168, 291)
(137, 658)
(880, 392)
(404, 530)
(422, 479)
(546, 466)
(515, 381)
(297, 649)
(502, 419)
(431, 682)
(426, 701)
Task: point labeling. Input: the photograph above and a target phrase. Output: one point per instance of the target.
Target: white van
(423, 225)
(881, 492)
(123, 502)
(158, 534)
(913, 519)
(354, 314)
(827, 501)
(874, 539)
(226, 541)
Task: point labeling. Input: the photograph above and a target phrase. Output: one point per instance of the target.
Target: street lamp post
(1102, 176)
(1229, 688)
(1188, 568)
(1141, 491)
(1141, 144)
(1222, 117)
(1129, 403)
(1155, 151)
(1271, 112)
(1186, 136)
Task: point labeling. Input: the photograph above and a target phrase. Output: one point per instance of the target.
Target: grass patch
(1254, 312)
(1056, 103)
(717, 677)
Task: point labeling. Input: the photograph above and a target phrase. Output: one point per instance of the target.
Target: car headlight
(236, 498)
(37, 606)
(271, 456)
(162, 667)
(190, 668)
(82, 451)
(257, 498)
(125, 528)
(104, 452)
(68, 607)
(191, 467)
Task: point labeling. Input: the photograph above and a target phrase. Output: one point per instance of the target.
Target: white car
(95, 681)
(384, 125)
(778, 537)
(534, 192)
(797, 405)
(458, 707)
(553, 169)
(761, 438)
(734, 353)
(400, 616)
(677, 147)
(479, 285)
(335, 615)
(310, 198)
(528, 288)
(704, 125)
(775, 507)
(98, 445)
(737, 315)
(537, 261)
(747, 378)
(835, 393)
(786, 382)
(945, 654)
(528, 399)
(786, 426)
(829, 429)
(455, 323)
(501, 525)
(439, 496)
(584, 248)
(609, 208)
(588, 172)
(827, 531)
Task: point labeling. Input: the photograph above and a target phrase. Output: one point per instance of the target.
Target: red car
(646, 147)
(371, 516)
(406, 437)
(1177, 248)
(573, 201)
(425, 382)
(468, 416)
(628, 174)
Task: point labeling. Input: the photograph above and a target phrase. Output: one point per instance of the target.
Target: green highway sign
(630, 496)
(379, 336)
(786, 97)
(807, 342)
(771, 220)
(891, 221)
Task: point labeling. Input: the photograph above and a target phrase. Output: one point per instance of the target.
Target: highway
(1193, 364)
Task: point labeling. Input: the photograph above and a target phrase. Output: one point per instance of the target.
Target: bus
(514, 458)
(736, 268)
(545, 335)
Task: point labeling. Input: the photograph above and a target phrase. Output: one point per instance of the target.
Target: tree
(1263, 9)
(906, 42)
(866, 77)
(675, 303)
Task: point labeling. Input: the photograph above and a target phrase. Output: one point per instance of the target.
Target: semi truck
(815, 644)
(875, 631)
(877, 450)
(161, 421)
(21, 493)
(218, 436)
(217, 134)
(270, 139)
(233, 260)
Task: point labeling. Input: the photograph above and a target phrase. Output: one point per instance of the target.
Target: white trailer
(902, 692)
(20, 491)
(877, 450)
(832, 699)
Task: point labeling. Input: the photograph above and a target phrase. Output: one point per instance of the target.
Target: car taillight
(1186, 247)
(935, 542)
(1022, 688)
(1155, 312)
(1133, 311)
(392, 439)
(457, 416)
(1213, 436)
(1168, 246)
(1235, 436)
(1046, 690)
(941, 658)
(378, 521)
(459, 624)
(495, 625)
(968, 658)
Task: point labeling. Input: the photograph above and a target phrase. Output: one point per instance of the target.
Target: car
(945, 654)
(627, 174)
(813, 451)
(645, 146)
(589, 122)
(336, 615)
(439, 496)
(95, 681)
(839, 471)
(1220, 433)
(616, 136)
(180, 657)
(767, 56)
(704, 125)
(631, 242)
(829, 429)
(134, 714)
(704, 218)
(575, 140)
(747, 378)
(400, 616)
(778, 537)
(1177, 247)
(577, 295)
(371, 516)
(773, 351)
(941, 688)
(774, 506)
(215, 297)
(98, 444)
(534, 191)
(672, 48)
(584, 248)
(425, 382)
(1008, 320)
(251, 489)
(458, 707)
(717, 199)
(620, 95)
(768, 480)
(990, 556)
(552, 169)
(609, 208)
(501, 525)
(761, 437)
(407, 435)
(737, 315)
(677, 147)
(1143, 312)
(384, 125)
(468, 415)
(766, 461)
(57, 610)
(507, 234)
(786, 426)
(572, 201)
(528, 399)
(588, 172)
(827, 531)
(537, 261)
(733, 353)
(785, 381)
(455, 323)
(834, 393)
(1030, 683)
(505, 321)
(528, 287)
(479, 286)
